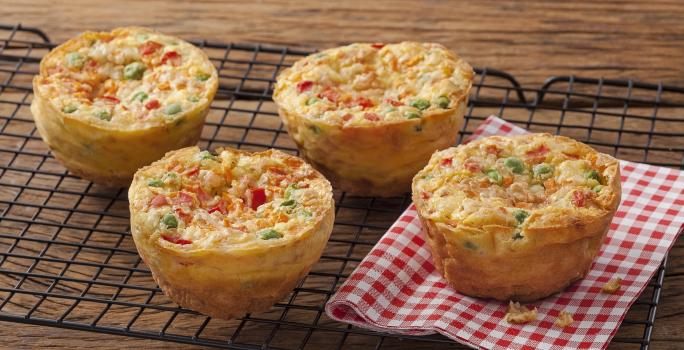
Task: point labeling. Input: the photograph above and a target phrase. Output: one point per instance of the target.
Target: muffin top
(374, 84)
(193, 199)
(508, 185)
(126, 79)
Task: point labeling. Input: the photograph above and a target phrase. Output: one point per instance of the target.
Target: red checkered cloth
(397, 289)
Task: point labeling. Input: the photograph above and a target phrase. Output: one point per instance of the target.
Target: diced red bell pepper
(446, 162)
(347, 117)
(371, 116)
(220, 207)
(149, 47)
(201, 195)
(171, 57)
(183, 215)
(159, 201)
(539, 151)
(303, 86)
(393, 102)
(538, 154)
(111, 99)
(578, 198)
(257, 197)
(330, 94)
(183, 198)
(364, 102)
(276, 170)
(378, 45)
(472, 166)
(176, 240)
(91, 63)
(492, 149)
(193, 171)
(153, 104)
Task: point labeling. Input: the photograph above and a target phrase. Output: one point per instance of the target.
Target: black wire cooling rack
(67, 259)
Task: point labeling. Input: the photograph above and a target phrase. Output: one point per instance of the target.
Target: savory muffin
(516, 217)
(110, 103)
(368, 116)
(232, 232)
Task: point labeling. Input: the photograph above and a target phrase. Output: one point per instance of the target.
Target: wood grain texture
(531, 40)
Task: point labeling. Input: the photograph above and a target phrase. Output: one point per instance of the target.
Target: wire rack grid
(67, 259)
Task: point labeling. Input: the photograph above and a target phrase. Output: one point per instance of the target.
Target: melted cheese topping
(196, 199)
(370, 84)
(129, 78)
(503, 180)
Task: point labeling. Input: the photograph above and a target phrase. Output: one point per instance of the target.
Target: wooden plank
(532, 40)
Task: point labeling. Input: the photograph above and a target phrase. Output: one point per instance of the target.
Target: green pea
(305, 213)
(288, 203)
(311, 101)
(104, 115)
(597, 188)
(69, 109)
(289, 191)
(172, 109)
(420, 103)
(593, 174)
(75, 60)
(517, 236)
(520, 215)
(207, 155)
(169, 221)
(542, 170)
(412, 115)
(494, 176)
(269, 234)
(139, 96)
(193, 99)
(171, 176)
(155, 183)
(134, 71)
(202, 76)
(443, 102)
(515, 164)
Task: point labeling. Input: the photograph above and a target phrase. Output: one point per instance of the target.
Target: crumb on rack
(520, 314)
(564, 319)
(611, 286)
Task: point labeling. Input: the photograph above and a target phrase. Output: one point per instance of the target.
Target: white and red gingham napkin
(397, 289)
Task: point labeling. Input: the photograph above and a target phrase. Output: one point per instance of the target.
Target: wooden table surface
(532, 40)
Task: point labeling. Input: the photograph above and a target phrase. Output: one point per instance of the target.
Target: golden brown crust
(370, 116)
(110, 157)
(557, 247)
(109, 154)
(223, 285)
(374, 161)
(227, 281)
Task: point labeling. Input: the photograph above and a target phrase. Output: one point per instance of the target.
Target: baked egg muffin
(368, 116)
(232, 232)
(516, 218)
(108, 103)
